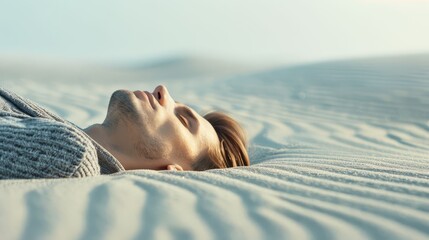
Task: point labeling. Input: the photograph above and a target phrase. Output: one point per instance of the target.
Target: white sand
(340, 150)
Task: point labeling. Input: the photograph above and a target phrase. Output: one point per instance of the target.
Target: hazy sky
(243, 30)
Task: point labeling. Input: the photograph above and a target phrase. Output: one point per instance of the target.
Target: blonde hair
(231, 151)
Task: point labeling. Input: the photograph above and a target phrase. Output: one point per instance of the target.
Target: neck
(110, 140)
(99, 133)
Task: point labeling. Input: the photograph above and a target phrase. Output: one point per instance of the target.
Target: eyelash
(182, 119)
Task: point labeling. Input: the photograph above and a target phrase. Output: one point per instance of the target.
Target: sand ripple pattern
(340, 151)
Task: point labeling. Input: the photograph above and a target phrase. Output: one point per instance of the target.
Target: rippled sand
(340, 150)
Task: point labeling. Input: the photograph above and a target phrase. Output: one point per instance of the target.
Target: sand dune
(340, 150)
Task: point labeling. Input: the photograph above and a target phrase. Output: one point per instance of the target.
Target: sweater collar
(108, 163)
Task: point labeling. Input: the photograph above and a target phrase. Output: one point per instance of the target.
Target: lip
(151, 99)
(139, 94)
(145, 96)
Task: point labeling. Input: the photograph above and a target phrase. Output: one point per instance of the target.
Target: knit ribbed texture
(35, 143)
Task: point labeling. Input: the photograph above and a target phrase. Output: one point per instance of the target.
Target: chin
(122, 105)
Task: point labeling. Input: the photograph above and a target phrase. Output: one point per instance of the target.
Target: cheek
(152, 149)
(178, 140)
(169, 133)
(153, 140)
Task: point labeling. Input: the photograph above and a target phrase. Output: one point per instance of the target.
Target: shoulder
(26, 106)
(44, 148)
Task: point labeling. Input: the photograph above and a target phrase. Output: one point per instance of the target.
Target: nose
(163, 96)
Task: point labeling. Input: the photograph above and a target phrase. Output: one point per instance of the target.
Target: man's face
(157, 130)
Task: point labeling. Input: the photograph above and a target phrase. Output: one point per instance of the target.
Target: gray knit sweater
(35, 143)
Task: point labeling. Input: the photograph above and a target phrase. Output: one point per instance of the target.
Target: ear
(174, 167)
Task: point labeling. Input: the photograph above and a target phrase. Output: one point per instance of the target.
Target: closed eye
(187, 117)
(184, 121)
